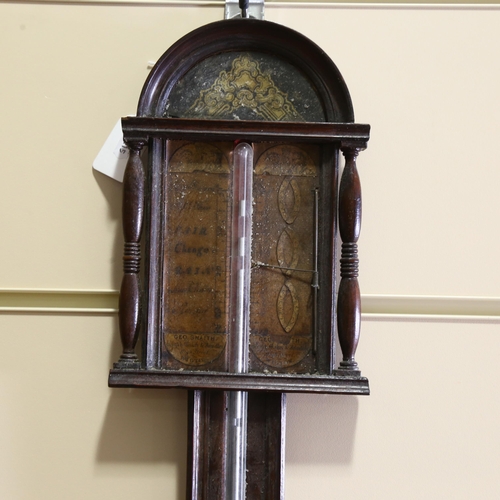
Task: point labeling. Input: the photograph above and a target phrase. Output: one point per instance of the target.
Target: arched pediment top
(246, 69)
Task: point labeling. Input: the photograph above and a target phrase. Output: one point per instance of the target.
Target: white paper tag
(113, 156)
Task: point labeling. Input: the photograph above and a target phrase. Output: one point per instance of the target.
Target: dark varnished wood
(138, 128)
(349, 301)
(266, 446)
(130, 292)
(339, 383)
(207, 429)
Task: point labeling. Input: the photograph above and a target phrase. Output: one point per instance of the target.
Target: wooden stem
(133, 212)
(207, 430)
(349, 303)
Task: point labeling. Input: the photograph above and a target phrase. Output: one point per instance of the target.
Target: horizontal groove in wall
(419, 305)
(373, 306)
(59, 301)
(451, 318)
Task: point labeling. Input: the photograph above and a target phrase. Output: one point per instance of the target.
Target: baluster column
(133, 213)
(349, 302)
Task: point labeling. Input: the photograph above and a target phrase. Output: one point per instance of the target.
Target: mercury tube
(236, 440)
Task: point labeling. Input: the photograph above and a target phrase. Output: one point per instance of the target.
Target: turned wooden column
(132, 213)
(349, 302)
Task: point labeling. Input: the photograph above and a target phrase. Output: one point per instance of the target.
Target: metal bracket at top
(255, 9)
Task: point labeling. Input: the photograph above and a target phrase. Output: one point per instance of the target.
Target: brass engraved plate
(245, 86)
(281, 320)
(195, 264)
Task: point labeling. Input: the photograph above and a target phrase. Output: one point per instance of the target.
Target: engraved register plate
(196, 262)
(281, 322)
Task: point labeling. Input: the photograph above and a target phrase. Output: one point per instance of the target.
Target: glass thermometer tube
(240, 313)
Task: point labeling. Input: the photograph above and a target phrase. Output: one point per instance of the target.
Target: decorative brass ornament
(245, 85)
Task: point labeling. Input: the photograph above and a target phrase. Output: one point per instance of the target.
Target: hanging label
(113, 156)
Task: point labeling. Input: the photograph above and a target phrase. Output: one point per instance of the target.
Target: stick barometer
(232, 212)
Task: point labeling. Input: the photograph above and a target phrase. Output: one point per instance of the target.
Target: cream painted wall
(427, 80)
